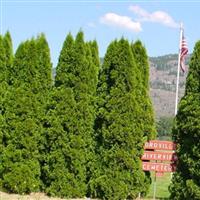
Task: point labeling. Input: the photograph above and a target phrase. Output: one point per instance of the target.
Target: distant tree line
(164, 127)
(167, 62)
(82, 133)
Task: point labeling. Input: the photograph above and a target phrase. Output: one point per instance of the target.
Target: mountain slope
(163, 72)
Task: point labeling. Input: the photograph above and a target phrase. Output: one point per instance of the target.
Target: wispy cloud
(116, 20)
(155, 17)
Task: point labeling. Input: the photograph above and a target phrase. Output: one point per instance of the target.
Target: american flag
(183, 53)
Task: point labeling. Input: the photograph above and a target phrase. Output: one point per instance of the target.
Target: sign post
(154, 187)
(159, 156)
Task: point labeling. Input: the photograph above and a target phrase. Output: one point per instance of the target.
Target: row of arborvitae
(186, 133)
(81, 134)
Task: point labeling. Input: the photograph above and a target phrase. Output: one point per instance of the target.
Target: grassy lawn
(162, 184)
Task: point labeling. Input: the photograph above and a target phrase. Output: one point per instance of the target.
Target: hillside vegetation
(163, 72)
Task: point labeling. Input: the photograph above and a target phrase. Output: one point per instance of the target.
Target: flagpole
(178, 70)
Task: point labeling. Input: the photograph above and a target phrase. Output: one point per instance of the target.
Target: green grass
(162, 184)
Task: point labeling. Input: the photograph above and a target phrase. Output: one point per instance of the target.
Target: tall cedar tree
(143, 98)
(71, 132)
(6, 55)
(141, 58)
(20, 157)
(44, 86)
(24, 111)
(64, 176)
(3, 87)
(45, 79)
(186, 133)
(3, 68)
(119, 137)
(94, 65)
(7, 41)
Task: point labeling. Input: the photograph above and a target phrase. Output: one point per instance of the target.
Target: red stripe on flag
(183, 53)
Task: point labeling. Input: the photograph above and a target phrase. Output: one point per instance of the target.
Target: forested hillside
(163, 72)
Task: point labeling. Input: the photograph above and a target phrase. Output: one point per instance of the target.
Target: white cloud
(156, 17)
(113, 19)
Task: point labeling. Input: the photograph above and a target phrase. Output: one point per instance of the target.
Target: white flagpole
(178, 70)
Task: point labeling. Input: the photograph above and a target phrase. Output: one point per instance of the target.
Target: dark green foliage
(5, 64)
(86, 68)
(44, 65)
(21, 169)
(32, 65)
(94, 65)
(119, 138)
(186, 133)
(23, 117)
(142, 93)
(6, 57)
(66, 69)
(95, 53)
(3, 69)
(71, 116)
(142, 90)
(25, 64)
(141, 58)
(51, 139)
(164, 126)
(65, 172)
(7, 41)
(193, 80)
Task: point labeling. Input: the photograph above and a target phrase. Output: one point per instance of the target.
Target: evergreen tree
(186, 133)
(20, 156)
(95, 53)
(65, 71)
(45, 79)
(21, 169)
(119, 137)
(64, 175)
(143, 98)
(75, 87)
(3, 69)
(24, 70)
(6, 56)
(44, 87)
(141, 58)
(7, 42)
(3, 92)
(62, 170)
(24, 112)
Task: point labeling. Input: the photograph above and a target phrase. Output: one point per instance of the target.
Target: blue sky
(153, 22)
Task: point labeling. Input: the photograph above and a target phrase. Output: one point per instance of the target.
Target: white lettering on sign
(160, 145)
(158, 167)
(162, 156)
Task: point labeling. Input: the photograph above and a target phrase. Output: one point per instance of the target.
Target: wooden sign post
(159, 156)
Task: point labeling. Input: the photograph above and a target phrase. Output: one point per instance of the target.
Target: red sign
(158, 167)
(160, 145)
(162, 156)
